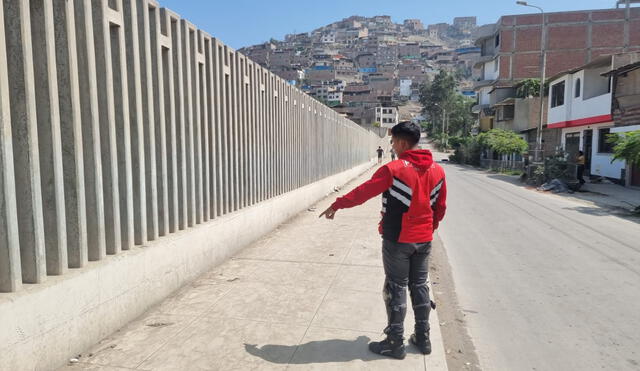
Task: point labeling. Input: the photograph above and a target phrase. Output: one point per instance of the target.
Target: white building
(387, 116)
(334, 97)
(329, 38)
(580, 105)
(405, 87)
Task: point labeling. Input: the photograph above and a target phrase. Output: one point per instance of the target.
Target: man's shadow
(324, 351)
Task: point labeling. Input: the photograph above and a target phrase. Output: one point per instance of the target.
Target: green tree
(439, 97)
(503, 142)
(435, 96)
(626, 146)
(529, 87)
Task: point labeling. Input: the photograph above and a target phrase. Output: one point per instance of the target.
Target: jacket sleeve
(440, 206)
(380, 182)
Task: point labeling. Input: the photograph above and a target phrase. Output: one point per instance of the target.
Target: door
(572, 145)
(588, 150)
(635, 175)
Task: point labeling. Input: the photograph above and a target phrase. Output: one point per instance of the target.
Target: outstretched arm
(380, 182)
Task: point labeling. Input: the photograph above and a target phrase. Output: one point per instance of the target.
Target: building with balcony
(580, 105)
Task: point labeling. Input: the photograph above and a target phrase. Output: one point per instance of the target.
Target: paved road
(547, 283)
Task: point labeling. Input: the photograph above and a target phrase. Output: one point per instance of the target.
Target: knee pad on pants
(419, 295)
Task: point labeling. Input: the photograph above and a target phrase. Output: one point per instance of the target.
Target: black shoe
(390, 347)
(422, 342)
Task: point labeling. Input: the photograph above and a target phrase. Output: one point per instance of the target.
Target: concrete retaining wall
(44, 325)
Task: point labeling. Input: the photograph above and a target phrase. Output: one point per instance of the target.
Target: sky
(240, 23)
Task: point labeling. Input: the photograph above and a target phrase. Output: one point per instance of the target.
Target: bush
(467, 151)
(626, 146)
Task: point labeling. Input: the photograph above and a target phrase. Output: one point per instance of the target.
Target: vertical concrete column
(114, 32)
(148, 83)
(91, 141)
(286, 137)
(265, 134)
(187, 62)
(24, 121)
(299, 138)
(158, 43)
(246, 140)
(242, 116)
(10, 271)
(49, 141)
(205, 125)
(196, 84)
(255, 75)
(269, 135)
(136, 117)
(71, 130)
(267, 138)
(235, 128)
(227, 149)
(277, 176)
(293, 138)
(216, 103)
(273, 173)
(261, 131)
(171, 117)
(230, 134)
(280, 131)
(104, 77)
(248, 153)
(179, 94)
(251, 160)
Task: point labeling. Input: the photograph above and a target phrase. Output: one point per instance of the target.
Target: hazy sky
(241, 23)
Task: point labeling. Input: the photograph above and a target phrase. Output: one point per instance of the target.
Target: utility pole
(538, 152)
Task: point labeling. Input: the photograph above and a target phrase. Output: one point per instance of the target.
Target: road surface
(547, 283)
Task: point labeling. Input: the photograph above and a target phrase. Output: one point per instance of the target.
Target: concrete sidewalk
(307, 296)
(609, 195)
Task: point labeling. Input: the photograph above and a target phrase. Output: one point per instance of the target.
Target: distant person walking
(414, 195)
(393, 155)
(380, 153)
(580, 160)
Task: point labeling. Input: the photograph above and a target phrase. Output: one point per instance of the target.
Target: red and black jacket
(414, 197)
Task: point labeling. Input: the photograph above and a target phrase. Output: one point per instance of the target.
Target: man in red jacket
(413, 203)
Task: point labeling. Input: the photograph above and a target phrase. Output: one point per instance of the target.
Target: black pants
(580, 174)
(406, 264)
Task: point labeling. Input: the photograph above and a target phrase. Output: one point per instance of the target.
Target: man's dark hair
(408, 131)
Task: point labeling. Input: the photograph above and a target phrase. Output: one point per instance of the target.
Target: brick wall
(573, 39)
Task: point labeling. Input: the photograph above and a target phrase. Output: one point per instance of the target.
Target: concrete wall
(126, 126)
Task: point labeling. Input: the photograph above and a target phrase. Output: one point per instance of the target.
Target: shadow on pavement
(323, 351)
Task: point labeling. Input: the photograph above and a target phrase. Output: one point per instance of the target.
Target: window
(603, 144)
(557, 94)
(497, 40)
(496, 63)
(577, 88)
(506, 113)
